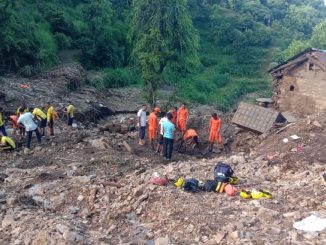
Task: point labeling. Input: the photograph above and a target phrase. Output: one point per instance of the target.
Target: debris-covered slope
(86, 188)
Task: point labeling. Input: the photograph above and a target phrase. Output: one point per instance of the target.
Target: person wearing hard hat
(153, 125)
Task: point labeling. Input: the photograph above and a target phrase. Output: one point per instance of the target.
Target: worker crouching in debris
(168, 134)
(7, 144)
(153, 125)
(215, 132)
(41, 119)
(190, 138)
(26, 118)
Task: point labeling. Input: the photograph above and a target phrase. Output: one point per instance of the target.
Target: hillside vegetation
(213, 51)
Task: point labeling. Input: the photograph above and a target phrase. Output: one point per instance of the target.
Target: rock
(162, 241)
(41, 239)
(7, 221)
(267, 214)
(219, 237)
(61, 228)
(70, 236)
(27, 151)
(138, 191)
(235, 235)
(317, 124)
(100, 143)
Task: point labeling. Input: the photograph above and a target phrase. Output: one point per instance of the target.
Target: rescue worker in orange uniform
(153, 126)
(190, 137)
(214, 131)
(182, 119)
(174, 112)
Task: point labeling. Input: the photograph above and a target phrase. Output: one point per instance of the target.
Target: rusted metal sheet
(255, 118)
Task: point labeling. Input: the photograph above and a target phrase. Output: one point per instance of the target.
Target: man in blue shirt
(168, 136)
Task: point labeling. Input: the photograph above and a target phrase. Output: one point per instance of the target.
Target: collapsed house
(299, 84)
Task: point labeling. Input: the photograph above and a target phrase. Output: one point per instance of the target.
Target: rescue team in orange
(180, 120)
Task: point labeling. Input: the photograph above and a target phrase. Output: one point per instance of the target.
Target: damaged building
(299, 84)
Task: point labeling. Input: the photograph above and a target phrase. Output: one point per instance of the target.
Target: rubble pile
(89, 189)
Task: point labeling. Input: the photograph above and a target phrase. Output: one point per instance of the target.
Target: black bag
(222, 172)
(210, 185)
(191, 185)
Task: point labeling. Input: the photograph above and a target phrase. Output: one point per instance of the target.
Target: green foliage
(114, 78)
(318, 39)
(163, 37)
(239, 41)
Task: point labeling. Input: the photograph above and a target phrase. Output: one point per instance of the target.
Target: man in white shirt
(159, 148)
(142, 121)
(26, 118)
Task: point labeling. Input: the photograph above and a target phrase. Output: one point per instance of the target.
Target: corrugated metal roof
(255, 118)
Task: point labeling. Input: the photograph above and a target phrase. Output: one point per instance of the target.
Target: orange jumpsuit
(189, 134)
(182, 119)
(152, 125)
(215, 134)
(13, 119)
(175, 117)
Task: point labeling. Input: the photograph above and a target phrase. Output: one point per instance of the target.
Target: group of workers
(171, 125)
(32, 120)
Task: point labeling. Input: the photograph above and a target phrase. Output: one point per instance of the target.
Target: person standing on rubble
(174, 112)
(2, 123)
(153, 125)
(26, 118)
(70, 113)
(214, 131)
(168, 135)
(159, 148)
(142, 121)
(182, 118)
(50, 115)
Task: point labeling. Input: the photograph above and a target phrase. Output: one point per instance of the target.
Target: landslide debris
(85, 187)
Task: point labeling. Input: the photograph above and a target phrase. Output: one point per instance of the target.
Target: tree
(318, 39)
(163, 36)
